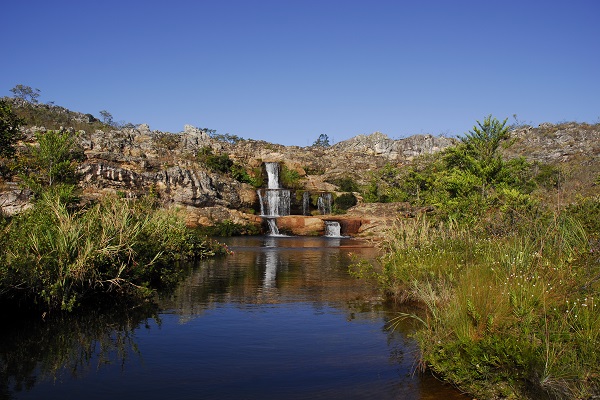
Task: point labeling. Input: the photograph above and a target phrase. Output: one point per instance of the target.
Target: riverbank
(507, 316)
(57, 256)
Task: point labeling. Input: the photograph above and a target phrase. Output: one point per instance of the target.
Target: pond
(280, 318)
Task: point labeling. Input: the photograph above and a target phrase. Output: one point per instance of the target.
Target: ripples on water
(279, 319)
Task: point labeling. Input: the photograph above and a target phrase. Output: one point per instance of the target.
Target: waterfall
(306, 203)
(273, 230)
(274, 201)
(333, 229)
(272, 175)
(324, 203)
(260, 200)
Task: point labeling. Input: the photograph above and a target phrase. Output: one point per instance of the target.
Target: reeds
(507, 317)
(57, 258)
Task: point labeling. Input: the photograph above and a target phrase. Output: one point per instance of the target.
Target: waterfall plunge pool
(279, 319)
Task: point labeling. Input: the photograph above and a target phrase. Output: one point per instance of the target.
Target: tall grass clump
(57, 258)
(505, 317)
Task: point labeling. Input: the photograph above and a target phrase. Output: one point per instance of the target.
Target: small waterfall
(273, 230)
(260, 200)
(333, 229)
(306, 203)
(324, 203)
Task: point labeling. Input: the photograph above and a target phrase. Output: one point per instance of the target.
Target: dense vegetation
(509, 285)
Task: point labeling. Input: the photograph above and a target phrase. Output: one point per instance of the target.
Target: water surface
(279, 319)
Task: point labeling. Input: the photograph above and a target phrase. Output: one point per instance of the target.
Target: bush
(505, 316)
(289, 178)
(215, 162)
(344, 201)
(346, 184)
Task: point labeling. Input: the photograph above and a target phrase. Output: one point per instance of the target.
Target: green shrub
(346, 184)
(289, 178)
(344, 201)
(215, 162)
(587, 211)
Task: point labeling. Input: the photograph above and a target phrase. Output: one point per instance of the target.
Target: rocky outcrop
(210, 216)
(366, 220)
(556, 143)
(406, 149)
(135, 161)
(14, 200)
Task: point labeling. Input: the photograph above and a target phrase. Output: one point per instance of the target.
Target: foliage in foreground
(57, 259)
(509, 287)
(516, 316)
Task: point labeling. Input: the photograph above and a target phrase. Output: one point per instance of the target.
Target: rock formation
(134, 161)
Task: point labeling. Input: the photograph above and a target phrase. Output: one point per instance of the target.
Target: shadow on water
(64, 346)
(279, 318)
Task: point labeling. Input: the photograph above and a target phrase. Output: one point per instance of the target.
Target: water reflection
(68, 346)
(280, 318)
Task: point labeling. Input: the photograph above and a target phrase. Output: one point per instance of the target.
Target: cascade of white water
(260, 200)
(306, 203)
(273, 230)
(324, 203)
(272, 175)
(333, 229)
(276, 201)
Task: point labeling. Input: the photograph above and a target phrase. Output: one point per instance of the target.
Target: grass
(515, 316)
(55, 258)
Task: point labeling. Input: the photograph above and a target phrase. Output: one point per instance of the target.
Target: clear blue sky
(287, 71)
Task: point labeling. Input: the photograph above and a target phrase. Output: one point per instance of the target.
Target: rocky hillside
(132, 161)
(572, 147)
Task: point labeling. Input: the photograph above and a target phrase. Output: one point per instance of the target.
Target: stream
(280, 318)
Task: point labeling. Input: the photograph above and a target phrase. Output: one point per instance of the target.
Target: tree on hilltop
(26, 93)
(107, 117)
(322, 141)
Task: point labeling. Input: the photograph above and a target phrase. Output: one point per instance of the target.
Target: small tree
(322, 141)
(51, 162)
(107, 117)
(9, 135)
(485, 138)
(26, 93)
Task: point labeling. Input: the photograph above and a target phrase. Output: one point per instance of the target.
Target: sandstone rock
(210, 216)
(301, 225)
(15, 200)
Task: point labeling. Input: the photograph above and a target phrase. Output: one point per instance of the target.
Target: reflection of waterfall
(274, 201)
(333, 229)
(324, 203)
(271, 260)
(306, 203)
